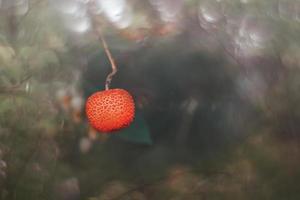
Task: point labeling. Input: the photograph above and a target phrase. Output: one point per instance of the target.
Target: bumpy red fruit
(110, 110)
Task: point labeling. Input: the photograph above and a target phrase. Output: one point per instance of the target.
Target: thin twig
(31, 7)
(104, 44)
(216, 38)
(111, 60)
(26, 78)
(97, 28)
(16, 87)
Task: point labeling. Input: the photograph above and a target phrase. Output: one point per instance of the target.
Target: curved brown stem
(111, 60)
(98, 32)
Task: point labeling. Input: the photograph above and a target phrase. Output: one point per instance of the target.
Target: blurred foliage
(216, 89)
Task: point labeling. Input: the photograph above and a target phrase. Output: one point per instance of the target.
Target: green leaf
(137, 132)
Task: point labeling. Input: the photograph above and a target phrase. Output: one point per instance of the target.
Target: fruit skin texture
(110, 110)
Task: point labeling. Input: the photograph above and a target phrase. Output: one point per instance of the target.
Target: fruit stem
(98, 32)
(111, 60)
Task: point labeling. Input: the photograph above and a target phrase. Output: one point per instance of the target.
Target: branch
(31, 7)
(98, 32)
(164, 179)
(111, 60)
(235, 59)
(15, 89)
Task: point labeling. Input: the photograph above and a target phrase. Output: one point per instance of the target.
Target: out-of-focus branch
(164, 179)
(31, 7)
(15, 89)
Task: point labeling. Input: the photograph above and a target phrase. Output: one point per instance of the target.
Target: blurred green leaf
(28, 51)
(7, 53)
(137, 132)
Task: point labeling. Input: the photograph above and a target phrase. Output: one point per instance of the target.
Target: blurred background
(216, 85)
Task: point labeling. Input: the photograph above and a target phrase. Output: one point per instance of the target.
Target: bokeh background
(216, 85)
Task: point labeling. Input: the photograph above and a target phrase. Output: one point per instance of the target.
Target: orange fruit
(110, 110)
